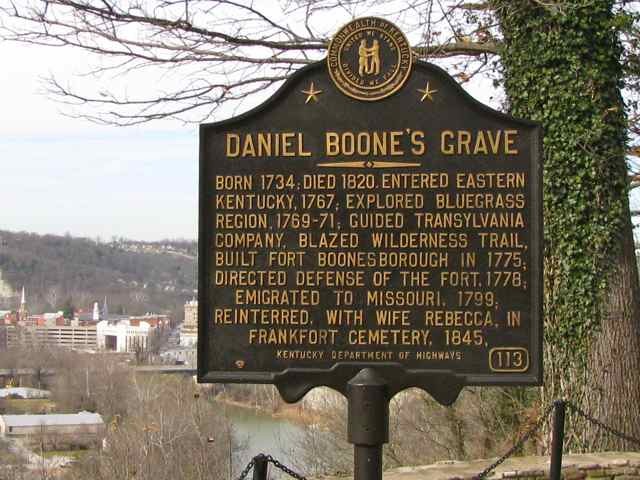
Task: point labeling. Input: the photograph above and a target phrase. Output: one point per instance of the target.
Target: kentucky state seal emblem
(369, 59)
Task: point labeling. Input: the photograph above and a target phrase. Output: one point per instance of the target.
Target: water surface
(258, 432)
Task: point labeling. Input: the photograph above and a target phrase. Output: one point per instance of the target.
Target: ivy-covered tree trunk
(562, 68)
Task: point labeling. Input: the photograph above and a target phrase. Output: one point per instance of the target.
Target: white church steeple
(23, 312)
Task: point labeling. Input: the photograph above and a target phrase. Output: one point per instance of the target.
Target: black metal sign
(339, 233)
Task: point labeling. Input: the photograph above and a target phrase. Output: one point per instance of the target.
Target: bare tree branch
(457, 49)
(205, 54)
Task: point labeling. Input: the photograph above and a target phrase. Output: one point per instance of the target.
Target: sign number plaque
(371, 214)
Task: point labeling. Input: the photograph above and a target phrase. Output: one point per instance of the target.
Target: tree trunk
(562, 68)
(613, 386)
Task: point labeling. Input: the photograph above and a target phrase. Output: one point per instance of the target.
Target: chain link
(517, 445)
(247, 469)
(276, 463)
(285, 469)
(521, 441)
(600, 424)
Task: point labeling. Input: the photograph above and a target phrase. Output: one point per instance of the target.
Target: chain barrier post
(260, 467)
(368, 422)
(558, 439)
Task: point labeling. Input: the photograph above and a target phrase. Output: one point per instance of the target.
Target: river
(258, 432)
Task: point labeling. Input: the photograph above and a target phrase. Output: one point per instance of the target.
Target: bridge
(18, 372)
(166, 369)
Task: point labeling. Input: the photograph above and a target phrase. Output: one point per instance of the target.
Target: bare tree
(52, 296)
(14, 465)
(170, 432)
(483, 423)
(206, 54)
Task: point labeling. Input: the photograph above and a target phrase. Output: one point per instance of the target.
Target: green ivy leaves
(562, 68)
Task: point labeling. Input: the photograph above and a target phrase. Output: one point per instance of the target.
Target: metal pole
(558, 439)
(368, 422)
(260, 467)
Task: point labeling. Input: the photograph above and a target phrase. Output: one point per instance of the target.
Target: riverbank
(294, 413)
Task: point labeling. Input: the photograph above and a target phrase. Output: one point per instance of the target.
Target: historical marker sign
(371, 213)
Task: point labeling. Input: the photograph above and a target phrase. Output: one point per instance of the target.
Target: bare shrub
(170, 432)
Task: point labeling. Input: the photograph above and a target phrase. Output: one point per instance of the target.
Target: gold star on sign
(426, 93)
(311, 93)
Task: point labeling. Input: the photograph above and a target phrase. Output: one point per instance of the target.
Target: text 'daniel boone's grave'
(370, 213)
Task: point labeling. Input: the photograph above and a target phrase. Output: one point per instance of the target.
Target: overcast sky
(64, 175)
(61, 175)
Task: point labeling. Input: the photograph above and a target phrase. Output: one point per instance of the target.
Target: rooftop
(80, 418)
(24, 392)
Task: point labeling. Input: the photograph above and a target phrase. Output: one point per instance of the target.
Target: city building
(8, 317)
(189, 329)
(94, 330)
(46, 329)
(66, 336)
(131, 334)
(180, 356)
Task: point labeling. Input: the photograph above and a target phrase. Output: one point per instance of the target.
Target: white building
(54, 428)
(180, 356)
(123, 335)
(24, 392)
(130, 334)
(189, 329)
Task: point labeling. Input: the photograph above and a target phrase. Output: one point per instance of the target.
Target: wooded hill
(63, 271)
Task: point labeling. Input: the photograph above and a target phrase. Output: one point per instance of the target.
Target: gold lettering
(446, 147)
(287, 144)
(234, 182)
(481, 145)
(509, 141)
(395, 144)
(464, 140)
(457, 318)
(480, 142)
(233, 145)
(248, 149)
(393, 318)
(417, 141)
(346, 317)
(389, 337)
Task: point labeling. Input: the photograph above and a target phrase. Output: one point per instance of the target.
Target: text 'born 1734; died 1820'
(371, 213)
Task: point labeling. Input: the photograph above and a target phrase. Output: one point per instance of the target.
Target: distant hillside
(61, 270)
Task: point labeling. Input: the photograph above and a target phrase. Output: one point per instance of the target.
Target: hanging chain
(276, 464)
(247, 469)
(285, 469)
(600, 424)
(518, 444)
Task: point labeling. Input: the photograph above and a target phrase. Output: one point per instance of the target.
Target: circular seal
(369, 59)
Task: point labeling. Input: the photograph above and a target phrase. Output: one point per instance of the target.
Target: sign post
(368, 427)
(370, 228)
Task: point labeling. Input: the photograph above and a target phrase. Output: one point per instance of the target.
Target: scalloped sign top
(370, 214)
